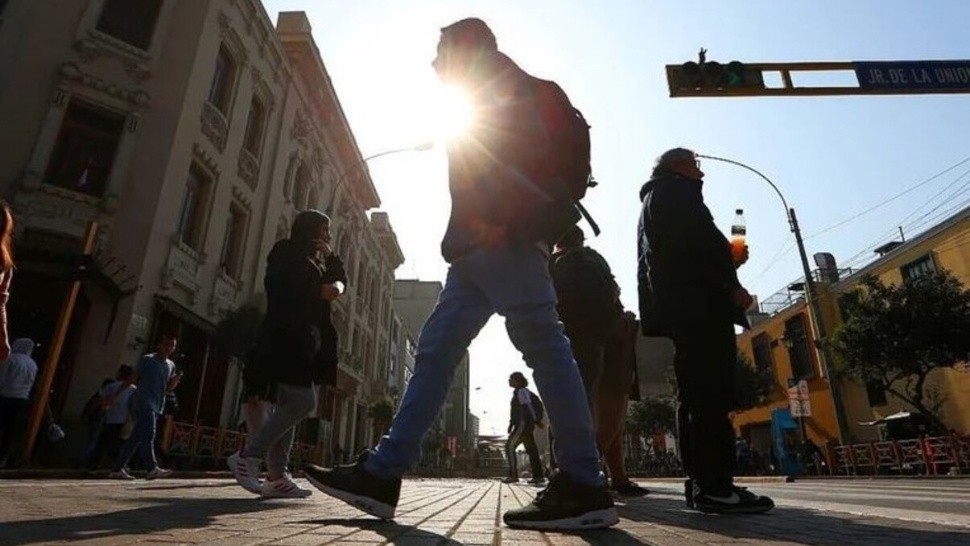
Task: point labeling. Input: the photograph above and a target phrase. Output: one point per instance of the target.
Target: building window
(85, 149)
(131, 21)
(761, 349)
(220, 91)
(233, 243)
(876, 394)
(192, 217)
(917, 269)
(254, 127)
(799, 347)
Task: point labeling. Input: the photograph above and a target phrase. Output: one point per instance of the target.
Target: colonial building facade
(191, 133)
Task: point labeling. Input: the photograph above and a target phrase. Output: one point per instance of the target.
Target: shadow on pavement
(161, 514)
(390, 530)
(404, 534)
(786, 525)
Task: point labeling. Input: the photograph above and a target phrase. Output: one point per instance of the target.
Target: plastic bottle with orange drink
(738, 233)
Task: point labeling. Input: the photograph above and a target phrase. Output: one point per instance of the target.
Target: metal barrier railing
(929, 455)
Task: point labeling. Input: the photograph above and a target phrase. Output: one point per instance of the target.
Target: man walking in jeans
(689, 292)
(497, 265)
(154, 376)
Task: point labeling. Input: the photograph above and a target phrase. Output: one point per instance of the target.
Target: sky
(832, 157)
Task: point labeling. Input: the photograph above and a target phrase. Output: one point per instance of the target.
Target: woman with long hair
(6, 273)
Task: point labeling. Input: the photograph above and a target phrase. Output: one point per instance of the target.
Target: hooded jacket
(17, 374)
(298, 342)
(685, 273)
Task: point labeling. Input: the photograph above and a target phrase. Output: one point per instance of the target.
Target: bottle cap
(739, 211)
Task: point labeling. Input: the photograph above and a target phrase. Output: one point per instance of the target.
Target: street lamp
(421, 147)
(818, 328)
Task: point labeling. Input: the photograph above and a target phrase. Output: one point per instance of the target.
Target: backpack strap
(589, 219)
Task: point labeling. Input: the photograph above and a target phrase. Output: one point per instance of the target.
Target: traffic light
(711, 78)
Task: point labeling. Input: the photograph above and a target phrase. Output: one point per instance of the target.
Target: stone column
(37, 167)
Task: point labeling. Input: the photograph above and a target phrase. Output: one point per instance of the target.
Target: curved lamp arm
(424, 146)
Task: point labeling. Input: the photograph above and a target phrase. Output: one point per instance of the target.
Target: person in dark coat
(689, 291)
(296, 351)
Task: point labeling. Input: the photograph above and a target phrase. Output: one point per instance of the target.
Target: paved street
(886, 513)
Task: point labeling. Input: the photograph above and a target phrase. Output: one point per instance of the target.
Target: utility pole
(811, 299)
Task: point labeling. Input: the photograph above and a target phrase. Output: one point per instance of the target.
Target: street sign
(798, 400)
(904, 75)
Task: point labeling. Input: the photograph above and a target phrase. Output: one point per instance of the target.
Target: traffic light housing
(712, 78)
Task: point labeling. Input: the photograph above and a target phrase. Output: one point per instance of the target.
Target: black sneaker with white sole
(736, 500)
(357, 487)
(565, 505)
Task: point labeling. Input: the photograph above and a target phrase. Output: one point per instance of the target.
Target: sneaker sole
(365, 504)
(232, 462)
(597, 519)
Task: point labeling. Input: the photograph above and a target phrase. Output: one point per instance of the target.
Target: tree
(753, 384)
(649, 415)
(895, 336)
(236, 333)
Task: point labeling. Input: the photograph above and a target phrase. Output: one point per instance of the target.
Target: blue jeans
(142, 439)
(514, 282)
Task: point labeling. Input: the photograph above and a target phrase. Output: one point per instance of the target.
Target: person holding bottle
(689, 291)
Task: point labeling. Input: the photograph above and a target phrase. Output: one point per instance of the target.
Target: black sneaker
(357, 487)
(689, 492)
(738, 501)
(537, 481)
(510, 480)
(629, 489)
(564, 505)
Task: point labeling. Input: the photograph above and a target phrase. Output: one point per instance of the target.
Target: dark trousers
(13, 418)
(704, 364)
(109, 442)
(523, 434)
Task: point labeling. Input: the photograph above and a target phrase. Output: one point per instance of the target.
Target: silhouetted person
(497, 245)
(17, 376)
(524, 417)
(689, 292)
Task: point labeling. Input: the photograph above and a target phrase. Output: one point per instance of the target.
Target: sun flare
(450, 113)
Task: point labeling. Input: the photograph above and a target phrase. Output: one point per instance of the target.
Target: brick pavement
(431, 512)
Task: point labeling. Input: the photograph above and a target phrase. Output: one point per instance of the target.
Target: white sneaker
(284, 487)
(120, 475)
(158, 472)
(246, 472)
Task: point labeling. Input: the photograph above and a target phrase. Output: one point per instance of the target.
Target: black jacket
(491, 167)
(685, 272)
(586, 291)
(298, 342)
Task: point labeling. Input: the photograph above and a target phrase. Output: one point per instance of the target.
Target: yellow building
(782, 339)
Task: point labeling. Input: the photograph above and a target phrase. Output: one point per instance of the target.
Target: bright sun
(450, 113)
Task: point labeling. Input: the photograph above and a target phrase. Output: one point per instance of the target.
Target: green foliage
(649, 415)
(753, 385)
(237, 332)
(894, 336)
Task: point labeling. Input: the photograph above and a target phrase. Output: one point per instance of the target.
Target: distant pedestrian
(116, 402)
(6, 273)
(511, 181)
(525, 417)
(17, 375)
(603, 339)
(93, 416)
(689, 291)
(296, 351)
(154, 375)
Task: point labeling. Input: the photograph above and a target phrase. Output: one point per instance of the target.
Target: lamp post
(817, 325)
(421, 147)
